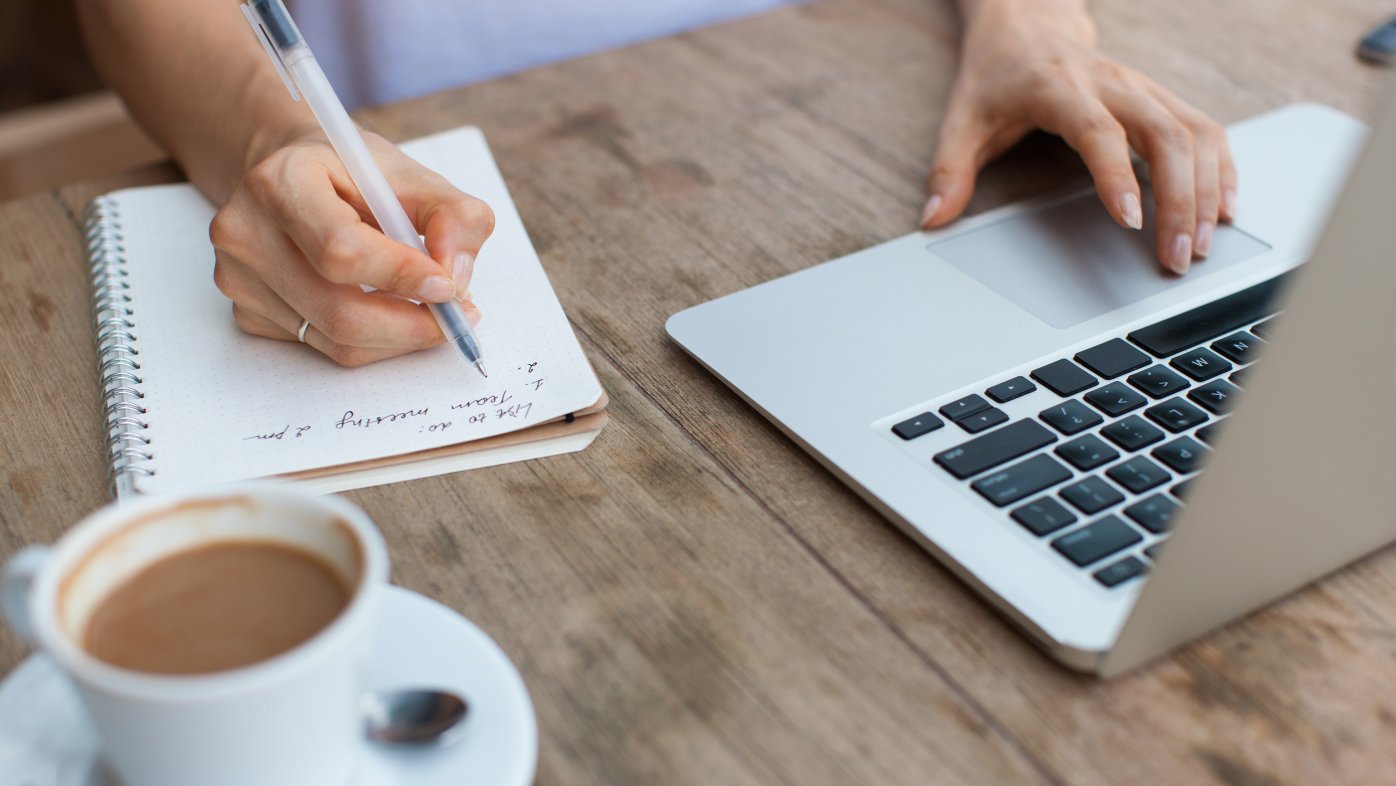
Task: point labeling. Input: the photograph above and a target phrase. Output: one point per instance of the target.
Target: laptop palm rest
(1081, 264)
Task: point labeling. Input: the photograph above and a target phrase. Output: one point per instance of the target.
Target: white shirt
(377, 51)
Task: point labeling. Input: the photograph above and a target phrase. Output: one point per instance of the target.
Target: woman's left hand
(1034, 64)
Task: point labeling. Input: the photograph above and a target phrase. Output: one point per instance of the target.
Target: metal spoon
(414, 717)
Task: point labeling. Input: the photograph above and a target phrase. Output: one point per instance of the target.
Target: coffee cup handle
(16, 587)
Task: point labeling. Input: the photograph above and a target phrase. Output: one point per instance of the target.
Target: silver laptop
(1031, 399)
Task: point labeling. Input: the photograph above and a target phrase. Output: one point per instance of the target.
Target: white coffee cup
(292, 720)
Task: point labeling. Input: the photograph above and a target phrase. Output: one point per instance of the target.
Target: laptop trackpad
(1069, 262)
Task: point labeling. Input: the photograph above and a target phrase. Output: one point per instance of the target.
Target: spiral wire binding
(118, 364)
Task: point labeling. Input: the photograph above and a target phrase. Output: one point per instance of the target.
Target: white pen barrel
(352, 149)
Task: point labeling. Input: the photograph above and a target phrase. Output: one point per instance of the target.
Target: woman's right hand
(295, 240)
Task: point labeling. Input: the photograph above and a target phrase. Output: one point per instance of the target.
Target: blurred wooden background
(41, 54)
(57, 122)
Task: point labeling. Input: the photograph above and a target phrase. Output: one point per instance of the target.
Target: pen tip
(480, 364)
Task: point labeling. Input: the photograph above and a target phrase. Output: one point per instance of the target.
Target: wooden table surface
(693, 600)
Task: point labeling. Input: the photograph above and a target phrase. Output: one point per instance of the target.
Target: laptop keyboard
(1099, 474)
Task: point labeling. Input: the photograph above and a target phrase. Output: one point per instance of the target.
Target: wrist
(272, 119)
(1031, 20)
(267, 138)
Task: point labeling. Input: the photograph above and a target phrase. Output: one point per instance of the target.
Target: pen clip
(262, 36)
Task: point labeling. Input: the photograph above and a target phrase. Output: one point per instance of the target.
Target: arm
(1029, 64)
(291, 236)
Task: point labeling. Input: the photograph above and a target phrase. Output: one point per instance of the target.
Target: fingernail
(1229, 202)
(1131, 211)
(1180, 254)
(461, 268)
(932, 207)
(1202, 245)
(437, 289)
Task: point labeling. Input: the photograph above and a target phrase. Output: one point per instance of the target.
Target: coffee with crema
(215, 608)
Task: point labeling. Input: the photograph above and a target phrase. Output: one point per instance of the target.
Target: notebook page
(224, 406)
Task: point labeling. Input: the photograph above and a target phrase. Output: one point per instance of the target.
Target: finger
(345, 313)
(251, 296)
(1228, 180)
(456, 225)
(1209, 140)
(348, 356)
(951, 182)
(1208, 194)
(1093, 131)
(1167, 145)
(257, 325)
(472, 311)
(332, 235)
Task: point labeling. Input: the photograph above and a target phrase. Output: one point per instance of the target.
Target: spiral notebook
(191, 401)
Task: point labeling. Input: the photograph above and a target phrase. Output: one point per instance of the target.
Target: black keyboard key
(1237, 375)
(1153, 513)
(1240, 347)
(1183, 454)
(918, 426)
(1201, 364)
(1206, 322)
(1112, 359)
(1092, 495)
(1176, 415)
(1181, 490)
(1116, 399)
(962, 408)
(1152, 551)
(996, 447)
(1096, 541)
(1087, 452)
(1022, 479)
(984, 420)
(1158, 381)
(1117, 573)
(1132, 433)
(1217, 396)
(1004, 392)
(1139, 474)
(1064, 378)
(1071, 417)
(1208, 433)
(1263, 329)
(1043, 516)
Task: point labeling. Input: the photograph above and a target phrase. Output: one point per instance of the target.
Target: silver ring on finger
(300, 332)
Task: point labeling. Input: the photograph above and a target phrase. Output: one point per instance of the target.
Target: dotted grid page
(225, 406)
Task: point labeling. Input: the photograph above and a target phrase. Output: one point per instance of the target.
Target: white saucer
(45, 739)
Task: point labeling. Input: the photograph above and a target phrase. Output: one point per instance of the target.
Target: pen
(303, 77)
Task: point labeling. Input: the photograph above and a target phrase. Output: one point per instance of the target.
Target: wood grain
(693, 599)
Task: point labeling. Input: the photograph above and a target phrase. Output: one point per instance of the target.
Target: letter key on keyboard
(1201, 364)
(1175, 414)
